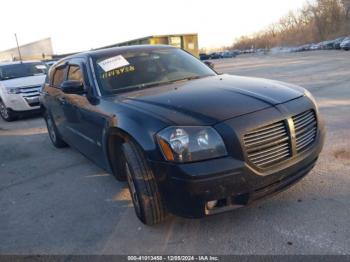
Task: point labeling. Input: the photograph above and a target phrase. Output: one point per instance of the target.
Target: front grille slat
(305, 143)
(31, 90)
(304, 123)
(304, 138)
(270, 155)
(30, 87)
(269, 145)
(300, 116)
(31, 95)
(267, 132)
(305, 130)
(264, 139)
(272, 160)
(306, 134)
(263, 152)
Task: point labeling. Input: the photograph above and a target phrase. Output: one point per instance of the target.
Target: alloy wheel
(3, 111)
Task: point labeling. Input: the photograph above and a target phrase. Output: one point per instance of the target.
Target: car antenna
(19, 51)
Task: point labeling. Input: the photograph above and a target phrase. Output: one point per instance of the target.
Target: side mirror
(209, 64)
(73, 87)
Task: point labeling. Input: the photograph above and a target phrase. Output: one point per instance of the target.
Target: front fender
(140, 128)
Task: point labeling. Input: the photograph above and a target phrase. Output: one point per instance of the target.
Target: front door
(84, 122)
(56, 98)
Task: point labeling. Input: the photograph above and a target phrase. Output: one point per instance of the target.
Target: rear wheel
(143, 187)
(55, 137)
(6, 113)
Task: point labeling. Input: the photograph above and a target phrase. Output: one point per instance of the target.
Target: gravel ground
(57, 202)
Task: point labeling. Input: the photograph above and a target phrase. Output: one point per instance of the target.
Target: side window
(58, 77)
(74, 73)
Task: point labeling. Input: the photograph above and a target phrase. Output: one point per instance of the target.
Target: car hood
(210, 100)
(24, 81)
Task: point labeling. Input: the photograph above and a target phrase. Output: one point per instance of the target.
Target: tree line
(315, 22)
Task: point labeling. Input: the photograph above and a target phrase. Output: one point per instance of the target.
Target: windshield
(22, 70)
(141, 69)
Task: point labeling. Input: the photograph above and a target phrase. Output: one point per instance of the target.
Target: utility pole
(19, 52)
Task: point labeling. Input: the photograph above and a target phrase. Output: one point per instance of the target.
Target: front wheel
(55, 137)
(5, 113)
(143, 187)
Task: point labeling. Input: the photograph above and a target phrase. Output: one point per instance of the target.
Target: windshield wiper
(188, 78)
(148, 85)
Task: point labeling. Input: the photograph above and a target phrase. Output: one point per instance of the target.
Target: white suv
(20, 83)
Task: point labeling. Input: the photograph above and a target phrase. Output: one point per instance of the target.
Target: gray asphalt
(57, 202)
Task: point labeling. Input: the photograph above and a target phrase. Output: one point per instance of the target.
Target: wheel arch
(115, 137)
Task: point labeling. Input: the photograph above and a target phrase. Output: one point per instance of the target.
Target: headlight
(13, 90)
(188, 144)
(310, 96)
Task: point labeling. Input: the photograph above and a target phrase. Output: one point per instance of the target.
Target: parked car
(204, 56)
(215, 55)
(328, 45)
(50, 63)
(314, 47)
(345, 44)
(228, 54)
(337, 42)
(303, 48)
(235, 53)
(186, 140)
(248, 51)
(20, 83)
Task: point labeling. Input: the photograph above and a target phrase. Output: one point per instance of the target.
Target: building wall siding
(38, 50)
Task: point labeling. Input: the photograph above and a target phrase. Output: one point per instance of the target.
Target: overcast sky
(82, 25)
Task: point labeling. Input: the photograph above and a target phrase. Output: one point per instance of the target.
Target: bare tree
(316, 21)
(346, 4)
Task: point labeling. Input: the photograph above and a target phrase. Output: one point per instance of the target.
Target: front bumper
(233, 180)
(18, 103)
(345, 46)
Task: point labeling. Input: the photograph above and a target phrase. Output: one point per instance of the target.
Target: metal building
(188, 42)
(38, 50)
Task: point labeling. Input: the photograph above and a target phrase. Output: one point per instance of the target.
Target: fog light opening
(211, 204)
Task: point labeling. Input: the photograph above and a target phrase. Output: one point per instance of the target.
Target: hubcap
(132, 189)
(3, 110)
(51, 129)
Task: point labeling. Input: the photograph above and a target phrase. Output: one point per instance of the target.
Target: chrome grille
(268, 145)
(305, 125)
(29, 91)
(30, 94)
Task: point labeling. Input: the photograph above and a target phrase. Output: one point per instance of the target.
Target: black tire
(143, 187)
(6, 113)
(54, 135)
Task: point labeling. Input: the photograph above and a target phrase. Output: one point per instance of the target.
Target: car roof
(19, 62)
(118, 50)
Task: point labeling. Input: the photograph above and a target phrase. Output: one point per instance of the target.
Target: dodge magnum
(187, 140)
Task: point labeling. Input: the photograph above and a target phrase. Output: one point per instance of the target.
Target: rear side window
(74, 73)
(58, 77)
